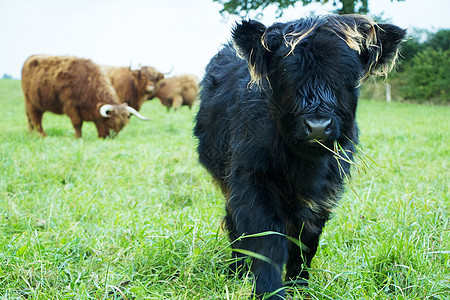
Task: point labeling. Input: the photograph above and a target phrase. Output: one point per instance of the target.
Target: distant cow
(177, 91)
(133, 86)
(75, 87)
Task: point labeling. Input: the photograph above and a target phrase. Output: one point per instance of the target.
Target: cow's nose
(318, 129)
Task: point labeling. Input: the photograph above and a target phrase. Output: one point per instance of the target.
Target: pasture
(136, 217)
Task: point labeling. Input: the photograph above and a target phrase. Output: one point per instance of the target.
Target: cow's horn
(170, 71)
(104, 109)
(136, 113)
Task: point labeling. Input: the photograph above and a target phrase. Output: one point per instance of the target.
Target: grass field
(137, 217)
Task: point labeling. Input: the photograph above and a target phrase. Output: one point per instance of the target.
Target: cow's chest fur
(298, 188)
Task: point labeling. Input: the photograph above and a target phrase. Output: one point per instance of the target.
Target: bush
(427, 76)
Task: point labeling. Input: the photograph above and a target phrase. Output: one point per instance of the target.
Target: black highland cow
(272, 102)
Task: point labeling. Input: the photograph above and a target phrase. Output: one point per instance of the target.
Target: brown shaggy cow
(178, 90)
(133, 86)
(75, 87)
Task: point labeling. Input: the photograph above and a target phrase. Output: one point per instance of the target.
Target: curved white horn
(136, 113)
(104, 109)
(171, 69)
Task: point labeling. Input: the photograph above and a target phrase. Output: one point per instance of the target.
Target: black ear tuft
(247, 40)
(247, 37)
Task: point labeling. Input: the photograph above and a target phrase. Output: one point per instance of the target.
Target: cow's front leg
(307, 227)
(253, 210)
(102, 128)
(74, 116)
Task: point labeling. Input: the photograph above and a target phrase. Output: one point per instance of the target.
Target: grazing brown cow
(133, 86)
(75, 87)
(177, 91)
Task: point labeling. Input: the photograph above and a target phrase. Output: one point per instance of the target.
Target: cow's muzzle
(318, 129)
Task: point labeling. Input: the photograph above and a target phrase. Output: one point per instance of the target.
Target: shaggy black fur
(259, 141)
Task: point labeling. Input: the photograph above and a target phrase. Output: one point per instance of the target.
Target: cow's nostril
(328, 127)
(308, 128)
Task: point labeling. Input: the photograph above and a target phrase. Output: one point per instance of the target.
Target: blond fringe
(295, 38)
(356, 38)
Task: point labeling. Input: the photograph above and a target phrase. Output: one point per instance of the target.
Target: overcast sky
(178, 34)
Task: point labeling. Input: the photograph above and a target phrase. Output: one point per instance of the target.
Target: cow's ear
(379, 49)
(377, 44)
(388, 38)
(161, 83)
(247, 40)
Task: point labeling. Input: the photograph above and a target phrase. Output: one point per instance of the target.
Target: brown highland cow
(177, 91)
(75, 87)
(133, 87)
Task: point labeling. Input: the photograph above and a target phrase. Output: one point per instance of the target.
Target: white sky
(183, 34)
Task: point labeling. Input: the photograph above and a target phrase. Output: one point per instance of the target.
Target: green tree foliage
(243, 7)
(439, 40)
(412, 45)
(420, 39)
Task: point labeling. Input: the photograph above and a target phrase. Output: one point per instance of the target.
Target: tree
(243, 7)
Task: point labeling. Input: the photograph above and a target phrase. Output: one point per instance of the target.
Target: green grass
(136, 217)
